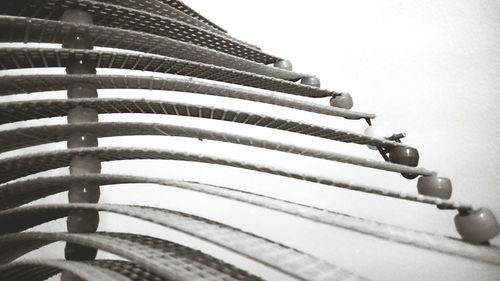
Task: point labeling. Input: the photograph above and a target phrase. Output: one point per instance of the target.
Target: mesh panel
(39, 270)
(26, 272)
(32, 58)
(23, 192)
(36, 83)
(129, 269)
(165, 10)
(20, 166)
(187, 10)
(20, 29)
(164, 258)
(24, 137)
(126, 18)
(280, 257)
(27, 110)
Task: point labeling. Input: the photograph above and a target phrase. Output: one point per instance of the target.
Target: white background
(426, 68)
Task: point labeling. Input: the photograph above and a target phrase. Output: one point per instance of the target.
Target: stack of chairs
(168, 37)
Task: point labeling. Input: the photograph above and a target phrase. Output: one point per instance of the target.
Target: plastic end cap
(311, 81)
(477, 227)
(284, 64)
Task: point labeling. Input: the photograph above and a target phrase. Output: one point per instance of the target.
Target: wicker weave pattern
(24, 191)
(159, 8)
(11, 85)
(28, 110)
(29, 136)
(39, 270)
(120, 17)
(11, 58)
(187, 10)
(164, 10)
(34, 270)
(168, 37)
(18, 193)
(280, 257)
(165, 258)
(26, 272)
(20, 166)
(21, 29)
(128, 269)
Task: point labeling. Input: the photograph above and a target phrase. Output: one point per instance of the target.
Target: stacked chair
(166, 36)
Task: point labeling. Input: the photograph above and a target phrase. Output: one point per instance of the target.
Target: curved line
(41, 187)
(30, 136)
(80, 269)
(18, 58)
(163, 9)
(111, 15)
(22, 29)
(20, 84)
(37, 162)
(29, 110)
(188, 10)
(162, 257)
(229, 238)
